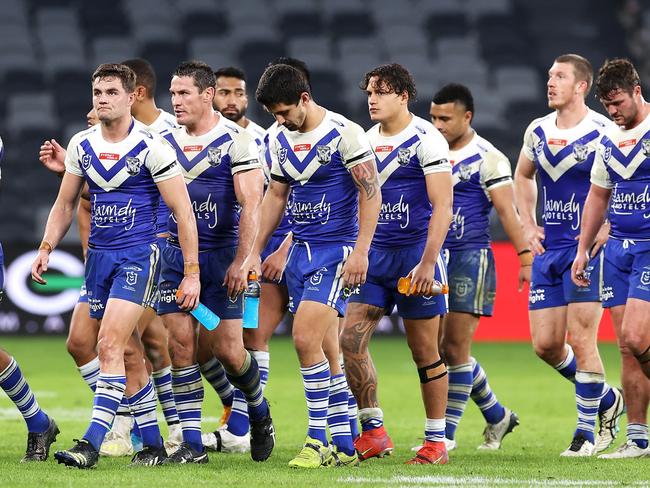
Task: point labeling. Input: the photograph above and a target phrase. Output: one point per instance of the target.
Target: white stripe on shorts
(337, 285)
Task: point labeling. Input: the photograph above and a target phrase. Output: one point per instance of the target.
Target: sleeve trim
(496, 181)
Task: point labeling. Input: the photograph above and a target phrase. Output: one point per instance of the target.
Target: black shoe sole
(63, 458)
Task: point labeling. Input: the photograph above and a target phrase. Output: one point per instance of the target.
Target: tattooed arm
(365, 178)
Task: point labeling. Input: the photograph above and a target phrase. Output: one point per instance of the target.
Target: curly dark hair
(616, 74)
(394, 77)
(200, 72)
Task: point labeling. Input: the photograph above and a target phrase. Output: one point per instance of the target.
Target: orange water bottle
(404, 286)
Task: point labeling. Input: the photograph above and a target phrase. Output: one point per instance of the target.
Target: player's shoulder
(84, 134)
(165, 121)
(342, 124)
(543, 121)
(599, 121)
(256, 130)
(487, 149)
(425, 130)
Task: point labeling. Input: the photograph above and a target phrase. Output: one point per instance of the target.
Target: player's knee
(433, 371)
(303, 341)
(637, 344)
(549, 349)
(79, 347)
(110, 350)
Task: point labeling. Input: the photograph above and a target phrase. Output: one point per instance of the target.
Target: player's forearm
(368, 216)
(249, 221)
(437, 231)
(526, 198)
(83, 220)
(58, 222)
(271, 211)
(188, 237)
(512, 227)
(593, 216)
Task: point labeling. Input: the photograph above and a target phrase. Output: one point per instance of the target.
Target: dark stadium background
(501, 49)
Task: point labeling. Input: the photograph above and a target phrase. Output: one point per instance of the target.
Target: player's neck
(147, 113)
(395, 125)
(571, 115)
(204, 125)
(462, 141)
(116, 130)
(315, 115)
(243, 122)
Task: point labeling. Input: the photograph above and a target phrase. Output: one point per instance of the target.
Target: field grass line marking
(478, 481)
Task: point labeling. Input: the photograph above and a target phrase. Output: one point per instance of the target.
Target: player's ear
(305, 97)
(208, 94)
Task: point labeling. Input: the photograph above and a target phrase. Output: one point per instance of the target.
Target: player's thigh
(273, 307)
(119, 321)
(617, 313)
(147, 316)
(458, 330)
(182, 336)
(636, 325)
(548, 327)
(583, 318)
(226, 340)
(311, 323)
(422, 339)
(359, 325)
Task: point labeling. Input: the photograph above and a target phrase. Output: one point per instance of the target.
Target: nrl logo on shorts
(214, 156)
(85, 161)
(645, 278)
(645, 146)
(464, 172)
(282, 155)
(580, 152)
(131, 278)
(133, 166)
(403, 156)
(323, 154)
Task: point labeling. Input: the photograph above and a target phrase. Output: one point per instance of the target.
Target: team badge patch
(464, 172)
(539, 148)
(131, 278)
(214, 156)
(85, 161)
(403, 156)
(580, 152)
(282, 155)
(645, 146)
(317, 277)
(607, 154)
(133, 166)
(324, 154)
(645, 278)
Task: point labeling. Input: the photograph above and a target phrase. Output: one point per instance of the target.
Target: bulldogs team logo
(133, 166)
(539, 148)
(580, 152)
(85, 161)
(282, 155)
(131, 278)
(464, 172)
(323, 154)
(214, 156)
(607, 154)
(403, 156)
(645, 146)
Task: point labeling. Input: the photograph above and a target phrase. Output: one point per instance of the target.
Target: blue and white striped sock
(188, 395)
(607, 399)
(109, 390)
(248, 381)
(567, 367)
(238, 422)
(371, 418)
(460, 386)
(638, 433)
(316, 380)
(589, 389)
(162, 380)
(143, 408)
(215, 374)
(90, 372)
(353, 407)
(434, 430)
(263, 359)
(338, 420)
(484, 397)
(16, 387)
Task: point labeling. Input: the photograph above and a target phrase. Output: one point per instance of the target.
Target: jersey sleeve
(161, 160)
(72, 155)
(599, 173)
(354, 147)
(433, 154)
(244, 153)
(495, 170)
(528, 147)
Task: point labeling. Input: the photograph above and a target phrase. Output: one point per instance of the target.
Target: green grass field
(529, 456)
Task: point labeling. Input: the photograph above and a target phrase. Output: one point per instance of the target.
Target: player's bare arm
(58, 222)
(441, 195)
(526, 201)
(52, 156)
(249, 188)
(365, 178)
(503, 200)
(174, 193)
(273, 266)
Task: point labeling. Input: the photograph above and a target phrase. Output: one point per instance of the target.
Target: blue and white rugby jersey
(122, 179)
(165, 121)
(563, 158)
(316, 164)
(477, 168)
(285, 224)
(622, 164)
(403, 160)
(209, 163)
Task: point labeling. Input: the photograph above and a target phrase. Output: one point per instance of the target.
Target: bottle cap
(252, 275)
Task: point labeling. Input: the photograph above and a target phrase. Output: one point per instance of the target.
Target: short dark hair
(120, 71)
(281, 83)
(616, 74)
(581, 67)
(144, 74)
(200, 72)
(394, 76)
(455, 93)
(230, 72)
(294, 63)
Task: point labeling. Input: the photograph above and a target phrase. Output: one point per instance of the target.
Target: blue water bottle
(204, 315)
(252, 302)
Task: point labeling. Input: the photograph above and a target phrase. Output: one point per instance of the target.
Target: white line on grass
(477, 481)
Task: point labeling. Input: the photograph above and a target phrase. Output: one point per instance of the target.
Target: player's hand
(601, 239)
(52, 155)
(273, 266)
(422, 278)
(355, 269)
(253, 263)
(579, 274)
(535, 236)
(524, 276)
(187, 296)
(39, 266)
(236, 278)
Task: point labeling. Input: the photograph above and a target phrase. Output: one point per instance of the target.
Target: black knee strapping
(432, 372)
(644, 357)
